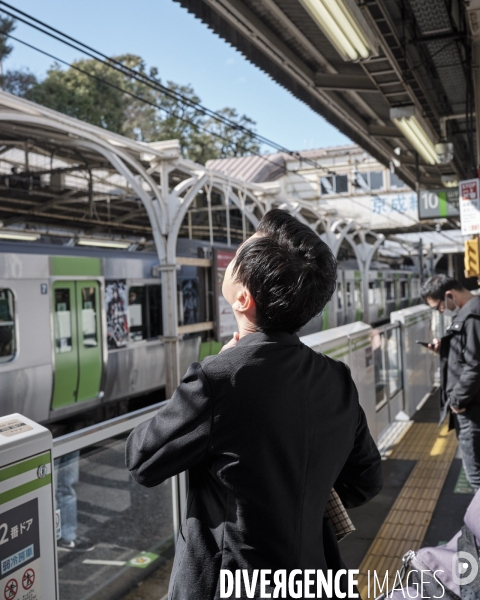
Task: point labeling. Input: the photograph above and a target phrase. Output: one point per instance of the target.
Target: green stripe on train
(75, 266)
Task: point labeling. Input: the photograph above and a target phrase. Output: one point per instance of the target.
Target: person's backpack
(450, 571)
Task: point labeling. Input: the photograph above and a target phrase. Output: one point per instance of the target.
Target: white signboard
(383, 211)
(470, 206)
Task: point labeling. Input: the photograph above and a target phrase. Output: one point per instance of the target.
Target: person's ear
(244, 301)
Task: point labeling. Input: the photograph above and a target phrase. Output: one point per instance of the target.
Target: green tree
(19, 82)
(83, 94)
(96, 93)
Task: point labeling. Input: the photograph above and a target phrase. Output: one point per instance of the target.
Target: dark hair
(436, 286)
(289, 271)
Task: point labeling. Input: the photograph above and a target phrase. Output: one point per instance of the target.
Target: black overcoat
(266, 429)
(460, 363)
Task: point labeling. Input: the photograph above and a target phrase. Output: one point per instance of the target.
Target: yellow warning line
(416, 440)
(407, 522)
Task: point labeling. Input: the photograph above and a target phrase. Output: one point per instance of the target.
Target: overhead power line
(156, 85)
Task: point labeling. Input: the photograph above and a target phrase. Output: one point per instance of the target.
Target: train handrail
(71, 442)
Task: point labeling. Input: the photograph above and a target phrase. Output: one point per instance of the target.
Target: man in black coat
(266, 428)
(459, 352)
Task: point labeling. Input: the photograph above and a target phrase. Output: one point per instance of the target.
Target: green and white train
(80, 328)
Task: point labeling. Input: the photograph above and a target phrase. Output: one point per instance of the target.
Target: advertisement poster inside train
(190, 302)
(226, 323)
(116, 303)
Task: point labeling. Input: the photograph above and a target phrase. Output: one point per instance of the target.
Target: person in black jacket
(460, 366)
(266, 428)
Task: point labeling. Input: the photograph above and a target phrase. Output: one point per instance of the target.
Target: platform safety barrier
(130, 529)
(420, 363)
(392, 373)
(127, 531)
(27, 541)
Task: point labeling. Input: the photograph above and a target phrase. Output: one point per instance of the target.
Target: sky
(184, 50)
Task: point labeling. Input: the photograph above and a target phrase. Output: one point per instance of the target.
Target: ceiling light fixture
(344, 25)
(411, 125)
(19, 235)
(119, 244)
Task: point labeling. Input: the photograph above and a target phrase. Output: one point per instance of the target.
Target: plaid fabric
(336, 512)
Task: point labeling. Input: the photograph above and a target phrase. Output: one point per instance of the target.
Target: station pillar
(28, 560)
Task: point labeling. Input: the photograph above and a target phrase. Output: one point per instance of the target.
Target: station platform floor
(424, 498)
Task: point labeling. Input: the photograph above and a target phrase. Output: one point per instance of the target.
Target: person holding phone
(459, 351)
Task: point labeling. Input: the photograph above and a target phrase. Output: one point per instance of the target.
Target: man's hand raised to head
(232, 343)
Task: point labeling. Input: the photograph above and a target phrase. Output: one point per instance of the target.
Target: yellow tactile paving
(415, 441)
(405, 525)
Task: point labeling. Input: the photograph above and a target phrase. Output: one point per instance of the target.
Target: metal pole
(420, 259)
(450, 265)
(476, 83)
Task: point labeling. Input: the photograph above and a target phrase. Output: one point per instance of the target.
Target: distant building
(344, 179)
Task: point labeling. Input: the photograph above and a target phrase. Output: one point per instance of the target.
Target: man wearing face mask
(459, 351)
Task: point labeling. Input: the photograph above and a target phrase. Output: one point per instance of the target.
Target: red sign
(224, 258)
(11, 589)
(469, 190)
(28, 579)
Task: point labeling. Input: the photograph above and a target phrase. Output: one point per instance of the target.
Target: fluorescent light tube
(122, 245)
(18, 235)
(406, 119)
(339, 25)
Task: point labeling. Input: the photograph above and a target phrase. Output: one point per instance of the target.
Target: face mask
(449, 312)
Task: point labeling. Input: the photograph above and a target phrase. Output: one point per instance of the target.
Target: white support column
(450, 266)
(364, 252)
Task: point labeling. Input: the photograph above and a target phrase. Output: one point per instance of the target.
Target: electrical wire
(301, 158)
(155, 84)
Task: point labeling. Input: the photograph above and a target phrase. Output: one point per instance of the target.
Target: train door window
(404, 289)
(389, 287)
(63, 321)
(137, 313)
(7, 326)
(378, 293)
(358, 300)
(349, 294)
(371, 292)
(339, 296)
(89, 317)
(154, 293)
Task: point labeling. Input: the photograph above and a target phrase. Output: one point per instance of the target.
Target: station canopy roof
(417, 59)
(440, 242)
(62, 178)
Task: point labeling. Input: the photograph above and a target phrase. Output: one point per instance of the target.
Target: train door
(358, 297)
(396, 287)
(77, 342)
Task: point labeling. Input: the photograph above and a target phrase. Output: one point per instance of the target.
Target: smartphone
(426, 344)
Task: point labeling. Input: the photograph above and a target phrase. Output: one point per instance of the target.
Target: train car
(388, 290)
(79, 331)
(82, 328)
